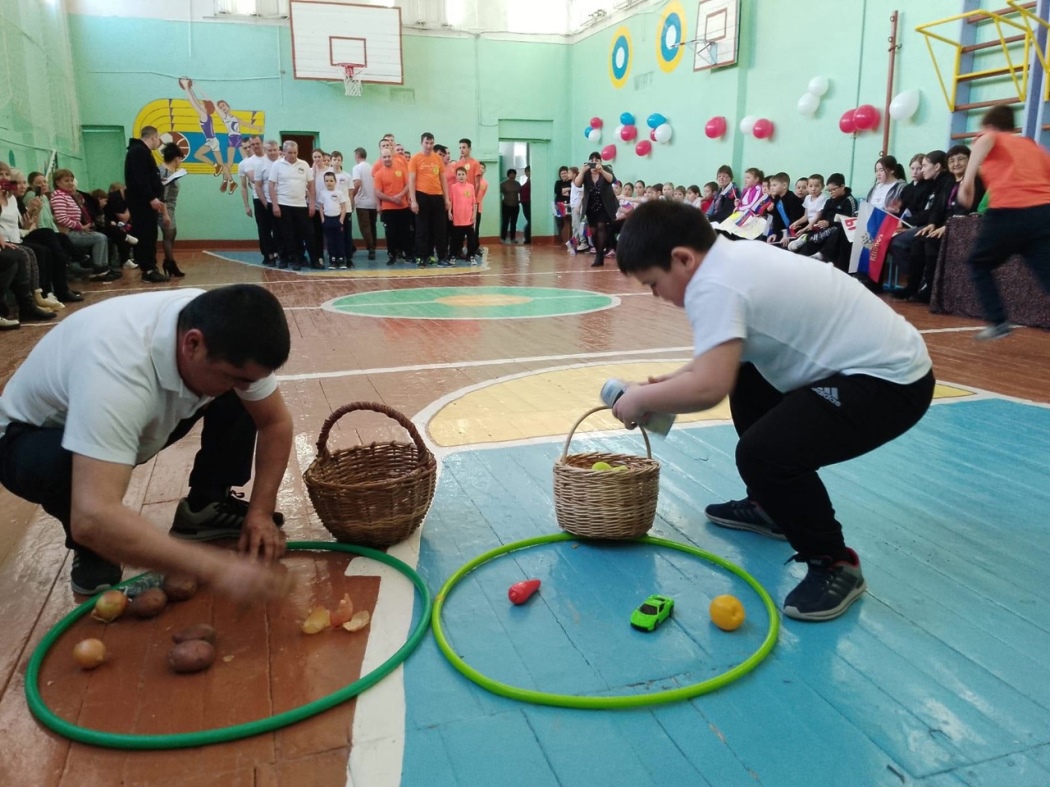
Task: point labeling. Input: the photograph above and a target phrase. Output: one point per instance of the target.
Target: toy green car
(653, 611)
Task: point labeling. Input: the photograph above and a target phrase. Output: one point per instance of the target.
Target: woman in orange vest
(1016, 171)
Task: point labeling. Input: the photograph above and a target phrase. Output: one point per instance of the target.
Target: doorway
(104, 150)
(306, 140)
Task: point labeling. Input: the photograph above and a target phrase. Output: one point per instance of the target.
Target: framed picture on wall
(717, 34)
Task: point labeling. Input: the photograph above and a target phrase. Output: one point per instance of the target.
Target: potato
(200, 631)
(148, 604)
(179, 587)
(192, 656)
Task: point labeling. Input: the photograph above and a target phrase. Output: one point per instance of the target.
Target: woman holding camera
(599, 204)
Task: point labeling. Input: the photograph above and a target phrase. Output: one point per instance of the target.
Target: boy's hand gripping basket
(371, 495)
(605, 503)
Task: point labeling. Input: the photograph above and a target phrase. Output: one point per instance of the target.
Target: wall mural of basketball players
(208, 132)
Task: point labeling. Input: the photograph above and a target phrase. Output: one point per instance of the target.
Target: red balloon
(596, 122)
(608, 152)
(715, 127)
(866, 117)
(643, 148)
(627, 133)
(848, 122)
(763, 128)
(652, 135)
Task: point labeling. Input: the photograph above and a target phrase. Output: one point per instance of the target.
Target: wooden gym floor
(937, 676)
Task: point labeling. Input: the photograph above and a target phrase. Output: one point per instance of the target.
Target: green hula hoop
(605, 703)
(181, 740)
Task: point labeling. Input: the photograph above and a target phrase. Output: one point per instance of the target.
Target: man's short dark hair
(360, 152)
(148, 131)
(836, 179)
(466, 142)
(440, 149)
(1000, 117)
(655, 228)
(240, 323)
(782, 177)
(425, 135)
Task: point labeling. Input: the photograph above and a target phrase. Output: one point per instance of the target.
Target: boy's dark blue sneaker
(744, 515)
(827, 590)
(219, 519)
(92, 574)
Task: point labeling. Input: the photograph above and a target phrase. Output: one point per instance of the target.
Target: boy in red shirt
(462, 215)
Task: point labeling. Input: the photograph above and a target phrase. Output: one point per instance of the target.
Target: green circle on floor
(472, 303)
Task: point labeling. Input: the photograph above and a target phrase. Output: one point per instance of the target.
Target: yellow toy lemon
(601, 466)
(727, 612)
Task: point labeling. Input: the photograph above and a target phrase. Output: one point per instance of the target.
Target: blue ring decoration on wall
(670, 35)
(620, 57)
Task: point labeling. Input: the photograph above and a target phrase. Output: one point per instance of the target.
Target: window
(252, 7)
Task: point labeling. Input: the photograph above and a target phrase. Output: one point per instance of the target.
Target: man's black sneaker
(92, 574)
(827, 590)
(222, 519)
(744, 515)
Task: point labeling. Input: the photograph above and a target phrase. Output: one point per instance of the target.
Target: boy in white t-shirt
(333, 205)
(817, 369)
(344, 182)
(813, 204)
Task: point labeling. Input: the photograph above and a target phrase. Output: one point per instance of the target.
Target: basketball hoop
(704, 49)
(351, 78)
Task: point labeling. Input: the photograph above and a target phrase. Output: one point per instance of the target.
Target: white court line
(469, 364)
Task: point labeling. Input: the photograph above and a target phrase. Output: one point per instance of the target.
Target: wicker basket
(604, 504)
(372, 495)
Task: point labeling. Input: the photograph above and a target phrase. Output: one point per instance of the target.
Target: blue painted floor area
(360, 260)
(938, 676)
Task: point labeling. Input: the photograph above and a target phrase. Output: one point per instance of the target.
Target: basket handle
(390, 412)
(592, 411)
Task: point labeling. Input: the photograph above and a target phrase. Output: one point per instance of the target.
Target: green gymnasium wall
(37, 98)
(454, 86)
(782, 46)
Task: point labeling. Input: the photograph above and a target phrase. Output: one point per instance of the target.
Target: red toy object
(520, 592)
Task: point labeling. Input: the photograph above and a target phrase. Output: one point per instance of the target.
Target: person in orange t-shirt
(391, 187)
(483, 187)
(428, 196)
(1016, 171)
(462, 215)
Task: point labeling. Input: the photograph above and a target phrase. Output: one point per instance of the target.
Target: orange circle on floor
(493, 299)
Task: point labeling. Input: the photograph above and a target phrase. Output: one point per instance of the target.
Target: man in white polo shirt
(292, 197)
(270, 242)
(115, 383)
(818, 370)
(364, 196)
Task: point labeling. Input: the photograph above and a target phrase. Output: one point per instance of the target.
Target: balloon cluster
(660, 132)
(863, 118)
(760, 128)
(810, 101)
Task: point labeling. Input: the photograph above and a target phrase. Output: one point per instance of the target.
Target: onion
(358, 621)
(89, 653)
(319, 620)
(110, 606)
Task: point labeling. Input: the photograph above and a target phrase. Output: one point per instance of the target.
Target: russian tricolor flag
(874, 232)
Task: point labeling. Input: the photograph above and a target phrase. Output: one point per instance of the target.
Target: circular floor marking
(472, 303)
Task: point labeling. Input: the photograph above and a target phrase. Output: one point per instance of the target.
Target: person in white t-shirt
(365, 200)
(333, 215)
(294, 203)
(245, 169)
(115, 383)
(269, 232)
(818, 370)
(344, 182)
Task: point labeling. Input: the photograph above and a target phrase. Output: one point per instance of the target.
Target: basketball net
(352, 79)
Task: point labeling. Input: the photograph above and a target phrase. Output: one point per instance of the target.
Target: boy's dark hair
(836, 179)
(466, 142)
(240, 323)
(511, 172)
(725, 169)
(425, 135)
(781, 177)
(440, 149)
(816, 176)
(1000, 117)
(654, 229)
(562, 169)
(169, 152)
(958, 150)
(359, 152)
(328, 175)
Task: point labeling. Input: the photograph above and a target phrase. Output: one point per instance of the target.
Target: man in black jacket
(144, 195)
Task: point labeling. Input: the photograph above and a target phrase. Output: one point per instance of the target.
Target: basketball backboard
(327, 34)
(717, 34)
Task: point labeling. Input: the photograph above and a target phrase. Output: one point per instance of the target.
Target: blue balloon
(655, 119)
(587, 132)
(627, 119)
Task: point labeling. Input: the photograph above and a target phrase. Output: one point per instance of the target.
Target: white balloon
(594, 135)
(663, 133)
(808, 104)
(905, 104)
(617, 136)
(748, 123)
(818, 86)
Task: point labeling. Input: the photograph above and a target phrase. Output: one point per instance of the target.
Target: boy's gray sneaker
(744, 515)
(222, 519)
(827, 590)
(997, 331)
